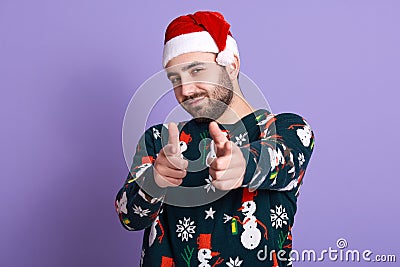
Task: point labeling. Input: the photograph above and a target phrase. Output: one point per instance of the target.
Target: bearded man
(253, 160)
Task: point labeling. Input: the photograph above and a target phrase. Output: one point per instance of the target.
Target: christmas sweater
(247, 226)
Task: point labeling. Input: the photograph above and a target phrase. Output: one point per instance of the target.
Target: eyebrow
(185, 68)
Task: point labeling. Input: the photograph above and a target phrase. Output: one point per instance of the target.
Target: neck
(237, 109)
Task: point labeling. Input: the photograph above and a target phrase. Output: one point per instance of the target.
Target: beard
(217, 101)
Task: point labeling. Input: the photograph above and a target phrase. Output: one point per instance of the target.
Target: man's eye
(196, 70)
(175, 80)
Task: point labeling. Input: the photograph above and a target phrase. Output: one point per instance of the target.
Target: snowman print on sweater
(153, 229)
(146, 163)
(205, 254)
(184, 140)
(304, 134)
(211, 155)
(251, 235)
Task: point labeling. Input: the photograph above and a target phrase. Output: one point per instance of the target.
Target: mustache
(194, 96)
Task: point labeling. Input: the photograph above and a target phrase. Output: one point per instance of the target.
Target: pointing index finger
(216, 134)
(173, 137)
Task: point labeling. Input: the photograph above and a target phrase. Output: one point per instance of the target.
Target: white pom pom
(225, 58)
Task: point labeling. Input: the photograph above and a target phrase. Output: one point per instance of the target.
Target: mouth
(194, 101)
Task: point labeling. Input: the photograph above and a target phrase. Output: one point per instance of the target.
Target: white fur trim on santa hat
(199, 42)
(225, 58)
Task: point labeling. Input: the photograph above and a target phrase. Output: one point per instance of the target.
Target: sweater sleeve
(139, 201)
(278, 160)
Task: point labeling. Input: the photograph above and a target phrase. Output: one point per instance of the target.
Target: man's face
(201, 86)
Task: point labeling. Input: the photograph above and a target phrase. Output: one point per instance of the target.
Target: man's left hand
(229, 166)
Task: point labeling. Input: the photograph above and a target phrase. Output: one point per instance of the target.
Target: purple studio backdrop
(69, 68)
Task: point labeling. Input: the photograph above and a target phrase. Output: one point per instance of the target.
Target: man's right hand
(169, 166)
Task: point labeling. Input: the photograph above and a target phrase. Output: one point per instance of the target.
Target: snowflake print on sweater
(279, 217)
(209, 185)
(240, 139)
(185, 229)
(139, 211)
(156, 133)
(234, 262)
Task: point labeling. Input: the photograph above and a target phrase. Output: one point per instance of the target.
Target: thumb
(173, 137)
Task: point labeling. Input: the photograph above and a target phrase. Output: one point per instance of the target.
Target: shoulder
(291, 121)
(288, 126)
(297, 125)
(283, 119)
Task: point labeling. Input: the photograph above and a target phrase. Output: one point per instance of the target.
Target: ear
(234, 68)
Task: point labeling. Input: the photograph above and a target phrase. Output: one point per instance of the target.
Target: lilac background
(69, 68)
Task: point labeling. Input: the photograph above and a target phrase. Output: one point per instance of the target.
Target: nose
(188, 89)
(214, 253)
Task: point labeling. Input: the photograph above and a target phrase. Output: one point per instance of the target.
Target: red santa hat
(203, 31)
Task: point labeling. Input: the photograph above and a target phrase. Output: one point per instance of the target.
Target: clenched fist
(228, 167)
(169, 166)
